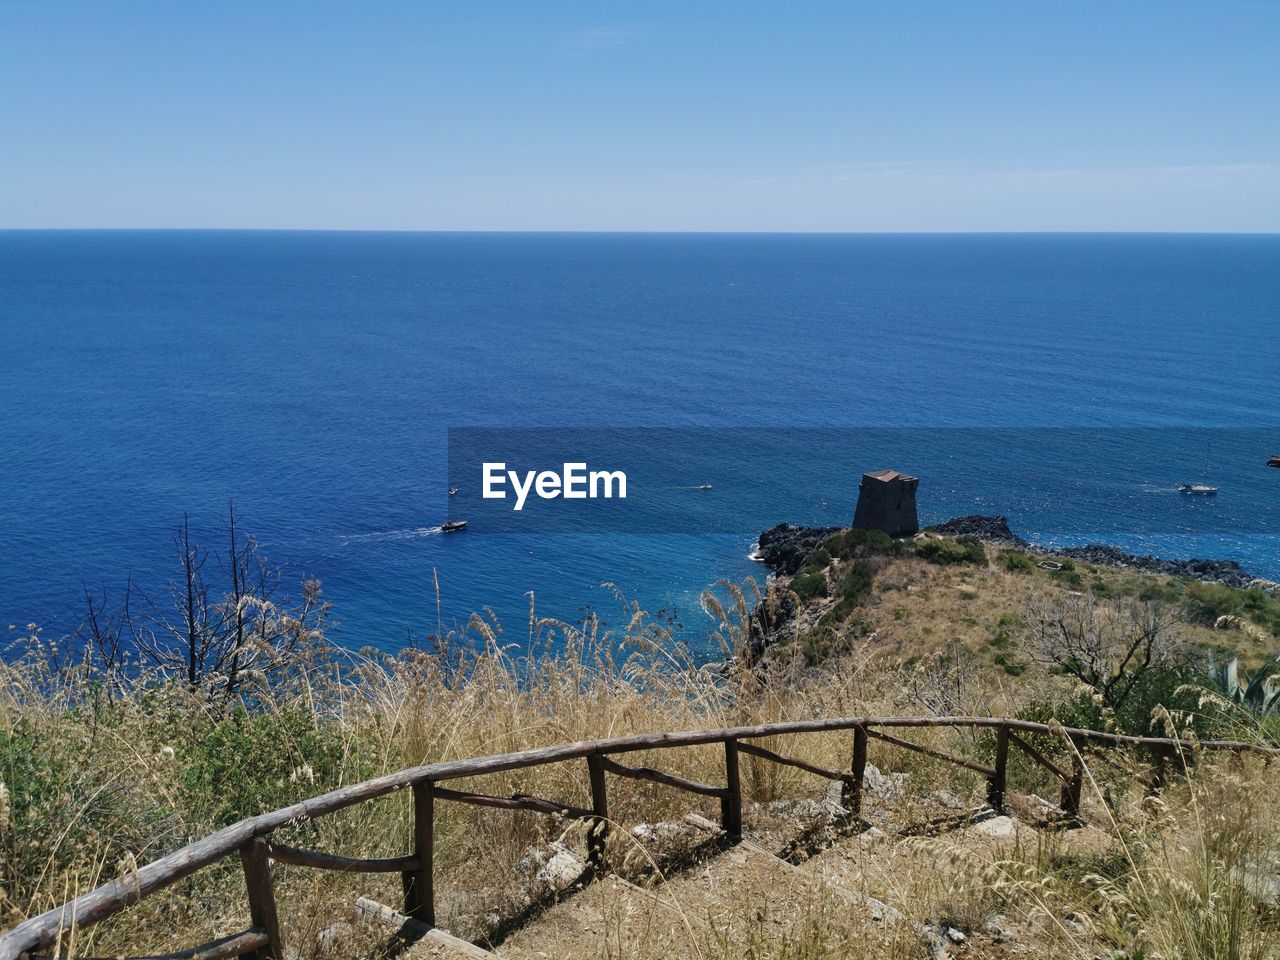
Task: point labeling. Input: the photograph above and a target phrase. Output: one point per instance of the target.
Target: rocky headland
(784, 549)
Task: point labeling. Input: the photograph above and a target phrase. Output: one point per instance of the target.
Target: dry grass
(97, 783)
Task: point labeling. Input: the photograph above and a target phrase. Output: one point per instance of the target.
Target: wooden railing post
(1070, 801)
(998, 781)
(419, 884)
(857, 769)
(731, 803)
(600, 808)
(262, 898)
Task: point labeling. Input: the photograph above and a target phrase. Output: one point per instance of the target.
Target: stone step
(422, 942)
(743, 896)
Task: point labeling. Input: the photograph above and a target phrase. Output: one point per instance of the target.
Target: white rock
(870, 835)
(955, 936)
(882, 784)
(561, 870)
(995, 827)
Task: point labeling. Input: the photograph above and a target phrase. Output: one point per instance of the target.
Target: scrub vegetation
(163, 721)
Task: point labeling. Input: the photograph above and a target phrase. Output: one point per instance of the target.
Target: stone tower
(887, 501)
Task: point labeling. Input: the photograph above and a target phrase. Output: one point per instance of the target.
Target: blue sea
(312, 378)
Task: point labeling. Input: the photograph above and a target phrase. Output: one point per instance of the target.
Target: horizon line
(627, 232)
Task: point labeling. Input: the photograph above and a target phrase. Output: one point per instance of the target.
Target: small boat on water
(704, 486)
(1197, 490)
(1274, 462)
(452, 491)
(453, 526)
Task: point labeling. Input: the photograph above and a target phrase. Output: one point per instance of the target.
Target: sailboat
(1199, 489)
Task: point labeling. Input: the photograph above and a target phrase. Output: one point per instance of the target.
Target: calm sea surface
(311, 378)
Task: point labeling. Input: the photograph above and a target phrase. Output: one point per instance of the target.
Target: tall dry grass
(102, 773)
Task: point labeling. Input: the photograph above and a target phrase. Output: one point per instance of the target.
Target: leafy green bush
(853, 590)
(1168, 592)
(246, 763)
(809, 585)
(855, 585)
(960, 550)
(1015, 561)
(58, 815)
(1010, 665)
(37, 795)
(818, 560)
(1209, 601)
(854, 544)
(1170, 685)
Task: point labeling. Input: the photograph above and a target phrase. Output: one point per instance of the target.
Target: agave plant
(1259, 694)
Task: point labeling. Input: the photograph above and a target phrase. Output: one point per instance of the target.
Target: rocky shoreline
(783, 549)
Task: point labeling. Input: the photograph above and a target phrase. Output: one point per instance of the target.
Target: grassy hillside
(108, 765)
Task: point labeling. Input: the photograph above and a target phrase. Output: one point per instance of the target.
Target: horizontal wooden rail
(332, 861)
(930, 752)
(785, 761)
(1039, 757)
(235, 945)
(667, 779)
(246, 836)
(515, 802)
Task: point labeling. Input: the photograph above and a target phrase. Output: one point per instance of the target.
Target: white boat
(1197, 490)
(453, 526)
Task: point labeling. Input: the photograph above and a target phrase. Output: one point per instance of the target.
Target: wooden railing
(250, 839)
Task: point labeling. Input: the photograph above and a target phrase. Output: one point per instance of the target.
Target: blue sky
(904, 115)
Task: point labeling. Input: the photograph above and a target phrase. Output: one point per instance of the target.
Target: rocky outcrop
(1227, 572)
(784, 548)
(987, 529)
(995, 530)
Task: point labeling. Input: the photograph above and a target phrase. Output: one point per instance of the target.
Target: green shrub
(807, 586)
(854, 544)
(38, 798)
(1005, 627)
(1103, 588)
(1173, 686)
(1011, 666)
(54, 792)
(854, 590)
(960, 550)
(855, 585)
(1209, 601)
(818, 560)
(246, 763)
(1169, 592)
(1015, 561)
